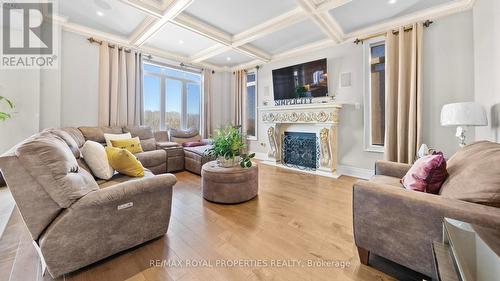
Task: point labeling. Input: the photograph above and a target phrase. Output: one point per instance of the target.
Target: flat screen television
(308, 79)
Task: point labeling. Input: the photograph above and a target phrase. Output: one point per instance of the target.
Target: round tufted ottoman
(229, 185)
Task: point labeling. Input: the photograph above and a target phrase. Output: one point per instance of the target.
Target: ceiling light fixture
(228, 58)
(100, 13)
(392, 2)
(181, 42)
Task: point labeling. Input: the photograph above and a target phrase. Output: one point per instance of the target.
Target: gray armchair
(74, 220)
(400, 224)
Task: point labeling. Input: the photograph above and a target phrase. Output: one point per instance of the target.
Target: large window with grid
(172, 97)
(374, 105)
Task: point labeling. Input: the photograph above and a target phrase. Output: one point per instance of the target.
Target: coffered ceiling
(237, 33)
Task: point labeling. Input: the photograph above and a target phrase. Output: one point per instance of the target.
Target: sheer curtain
(120, 86)
(206, 127)
(239, 90)
(403, 104)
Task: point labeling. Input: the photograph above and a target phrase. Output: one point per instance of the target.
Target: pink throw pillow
(427, 174)
(192, 144)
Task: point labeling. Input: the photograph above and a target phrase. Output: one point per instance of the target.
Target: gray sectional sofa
(74, 219)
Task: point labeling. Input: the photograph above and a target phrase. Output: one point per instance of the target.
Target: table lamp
(463, 114)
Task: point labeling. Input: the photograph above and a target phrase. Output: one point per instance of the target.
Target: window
(374, 107)
(172, 98)
(251, 104)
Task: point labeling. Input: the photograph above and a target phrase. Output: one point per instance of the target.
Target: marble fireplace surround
(319, 118)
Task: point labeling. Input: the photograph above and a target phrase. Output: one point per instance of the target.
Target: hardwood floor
(296, 216)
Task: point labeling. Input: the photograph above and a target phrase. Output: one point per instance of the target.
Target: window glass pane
(152, 102)
(152, 68)
(251, 77)
(377, 76)
(173, 104)
(251, 113)
(193, 106)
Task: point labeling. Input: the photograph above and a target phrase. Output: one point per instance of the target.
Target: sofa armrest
(401, 224)
(391, 169)
(108, 221)
(126, 190)
(161, 136)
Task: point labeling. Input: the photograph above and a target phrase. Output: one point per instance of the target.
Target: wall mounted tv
(308, 79)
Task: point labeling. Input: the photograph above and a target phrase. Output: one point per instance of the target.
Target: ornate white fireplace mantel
(320, 118)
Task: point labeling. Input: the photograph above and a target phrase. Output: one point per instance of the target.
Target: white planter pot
(228, 163)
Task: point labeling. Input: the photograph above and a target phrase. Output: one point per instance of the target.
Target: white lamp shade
(463, 114)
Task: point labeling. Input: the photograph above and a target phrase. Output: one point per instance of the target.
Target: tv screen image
(302, 80)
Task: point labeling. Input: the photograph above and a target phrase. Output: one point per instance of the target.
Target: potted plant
(5, 115)
(227, 146)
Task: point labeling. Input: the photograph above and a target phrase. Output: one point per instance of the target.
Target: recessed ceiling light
(100, 13)
(181, 42)
(392, 1)
(228, 58)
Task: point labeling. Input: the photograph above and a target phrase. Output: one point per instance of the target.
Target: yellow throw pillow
(133, 145)
(124, 162)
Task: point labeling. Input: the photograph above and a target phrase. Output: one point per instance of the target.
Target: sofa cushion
(75, 134)
(474, 174)
(386, 180)
(192, 144)
(97, 160)
(119, 178)
(133, 145)
(427, 174)
(145, 134)
(109, 137)
(180, 136)
(51, 163)
(124, 162)
(152, 158)
(68, 139)
(198, 150)
(97, 133)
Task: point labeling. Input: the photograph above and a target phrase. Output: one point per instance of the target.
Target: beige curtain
(403, 107)
(206, 120)
(120, 87)
(239, 93)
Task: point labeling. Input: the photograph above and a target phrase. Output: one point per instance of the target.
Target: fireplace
(300, 150)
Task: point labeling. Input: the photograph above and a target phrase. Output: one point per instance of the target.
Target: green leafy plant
(6, 115)
(300, 91)
(228, 143)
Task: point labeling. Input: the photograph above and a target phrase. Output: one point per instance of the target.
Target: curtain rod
(147, 56)
(426, 23)
(93, 40)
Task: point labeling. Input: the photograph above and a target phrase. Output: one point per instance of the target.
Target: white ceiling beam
(151, 10)
(331, 4)
(323, 19)
(210, 52)
(150, 27)
(200, 27)
(280, 22)
(254, 52)
(178, 58)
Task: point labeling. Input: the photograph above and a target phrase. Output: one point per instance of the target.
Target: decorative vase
(228, 163)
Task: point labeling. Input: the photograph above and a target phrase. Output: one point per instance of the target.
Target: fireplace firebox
(300, 150)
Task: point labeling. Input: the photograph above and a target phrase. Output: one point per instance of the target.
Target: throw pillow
(133, 145)
(124, 162)
(96, 158)
(192, 143)
(109, 137)
(427, 174)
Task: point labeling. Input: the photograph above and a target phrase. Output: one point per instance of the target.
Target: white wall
(486, 14)
(448, 77)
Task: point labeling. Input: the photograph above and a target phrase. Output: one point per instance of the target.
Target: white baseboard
(355, 172)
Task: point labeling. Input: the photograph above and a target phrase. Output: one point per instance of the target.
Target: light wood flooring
(295, 216)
